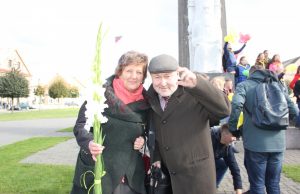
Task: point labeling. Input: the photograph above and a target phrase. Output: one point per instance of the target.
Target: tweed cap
(163, 63)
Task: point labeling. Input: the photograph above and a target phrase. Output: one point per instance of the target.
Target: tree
(14, 85)
(39, 91)
(73, 92)
(58, 88)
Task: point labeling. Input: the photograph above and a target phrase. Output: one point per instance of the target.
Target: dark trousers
(221, 169)
(297, 124)
(264, 169)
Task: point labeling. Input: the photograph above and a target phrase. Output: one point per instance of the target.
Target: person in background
(264, 148)
(267, 59)
(224, 156)
(295, 79)
(296, 91)
(229, 58)
(228, 87)
(277, 67)
(126, 113)
(182, 103)
(260, 61)
(242, 70)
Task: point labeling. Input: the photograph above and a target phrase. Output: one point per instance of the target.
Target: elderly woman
(126, 113)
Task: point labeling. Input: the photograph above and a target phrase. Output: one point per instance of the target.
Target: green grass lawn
(69, 129)
(292, 171)
(19, 178)
(39, 114)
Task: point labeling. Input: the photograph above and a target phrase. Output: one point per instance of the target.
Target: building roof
(291, 61)
(10, 58)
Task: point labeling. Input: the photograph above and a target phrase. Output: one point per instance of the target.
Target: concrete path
(13, 131)
(64, 153)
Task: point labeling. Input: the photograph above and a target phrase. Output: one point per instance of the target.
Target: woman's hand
(138, 143)
(95, 149)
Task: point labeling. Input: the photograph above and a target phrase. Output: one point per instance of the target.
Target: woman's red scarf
(124, 95)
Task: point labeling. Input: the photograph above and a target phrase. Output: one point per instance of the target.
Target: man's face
(229, 47)
(165, 84)
(227, 138)
(266, 53)
(228, 85)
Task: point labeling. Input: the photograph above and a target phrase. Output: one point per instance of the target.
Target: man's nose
(163, 82)
(133, 74)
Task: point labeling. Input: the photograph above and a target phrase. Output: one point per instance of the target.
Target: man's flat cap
(163, 63)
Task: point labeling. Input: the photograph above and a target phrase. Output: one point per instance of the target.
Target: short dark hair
(255, 67)
(225, 128)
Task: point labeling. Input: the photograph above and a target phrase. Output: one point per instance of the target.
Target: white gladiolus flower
(102, 118)
(95, 108)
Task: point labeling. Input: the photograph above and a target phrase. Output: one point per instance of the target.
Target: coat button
(173, 173)
(164, 121)
(167, 148)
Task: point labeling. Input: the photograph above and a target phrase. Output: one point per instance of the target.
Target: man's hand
(95, 149)
(239, 191)
(138, 143)
(186, 77)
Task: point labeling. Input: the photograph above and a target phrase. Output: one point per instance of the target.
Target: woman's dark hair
(274, 58)
(258, 56)
(132, 57)
(243, 57)
(298, 70)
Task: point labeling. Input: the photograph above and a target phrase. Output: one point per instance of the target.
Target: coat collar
(175, 99)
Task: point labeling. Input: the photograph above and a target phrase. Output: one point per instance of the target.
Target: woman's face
(132, 76)
(244, 61)
(261, 57)
(277, 58)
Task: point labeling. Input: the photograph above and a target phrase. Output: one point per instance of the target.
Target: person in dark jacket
(224, 156)
(242, 70)
(182, 103)
(124, 131)
(296, 90)
(264, 148)
(229, 58)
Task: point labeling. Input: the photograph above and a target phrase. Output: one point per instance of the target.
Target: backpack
(270, 109)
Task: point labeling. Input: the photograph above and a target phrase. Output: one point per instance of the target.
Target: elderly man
(182, 104)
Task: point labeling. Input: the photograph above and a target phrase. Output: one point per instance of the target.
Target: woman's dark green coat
(125, 124)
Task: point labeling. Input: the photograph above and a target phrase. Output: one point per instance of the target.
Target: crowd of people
(194, 121)
(263, 147)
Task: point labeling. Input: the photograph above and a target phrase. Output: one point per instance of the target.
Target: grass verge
(39, 114)
(32, 178)
(69, 129)
(292, 171)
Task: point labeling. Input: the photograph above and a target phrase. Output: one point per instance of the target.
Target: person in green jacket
(124, 131)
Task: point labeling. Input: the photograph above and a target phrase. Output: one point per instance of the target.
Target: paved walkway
(13, 131)
(66, 152)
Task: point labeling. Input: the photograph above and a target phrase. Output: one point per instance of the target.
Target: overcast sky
(58, 36)
(272, 24)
